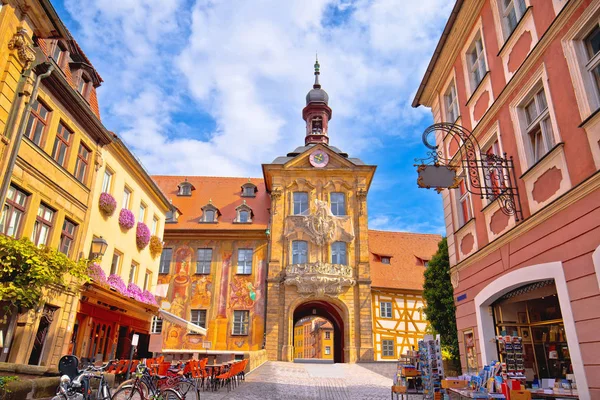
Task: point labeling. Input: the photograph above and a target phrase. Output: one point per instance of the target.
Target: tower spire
(317, 85)
(316, 113)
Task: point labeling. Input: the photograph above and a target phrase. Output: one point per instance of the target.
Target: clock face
(319, 159)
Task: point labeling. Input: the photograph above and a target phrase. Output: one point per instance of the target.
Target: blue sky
(207, 87)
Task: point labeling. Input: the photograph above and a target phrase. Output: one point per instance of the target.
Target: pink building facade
(524, 77)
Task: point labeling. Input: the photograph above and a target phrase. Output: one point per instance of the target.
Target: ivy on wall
(26, 270)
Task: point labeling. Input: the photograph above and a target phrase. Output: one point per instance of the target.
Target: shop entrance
(533, 313)
(328, 312)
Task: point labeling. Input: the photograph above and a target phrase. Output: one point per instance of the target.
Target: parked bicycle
(145, 387)
(76, 384)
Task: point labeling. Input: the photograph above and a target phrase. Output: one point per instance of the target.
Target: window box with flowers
(156, 246)
(107, 204)
(142, 235)
(126, 219)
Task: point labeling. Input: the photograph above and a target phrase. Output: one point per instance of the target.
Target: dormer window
(84, 85)
(317, 126)
(185, 188)
(59, 53)
(249, 190)
(172, 215)
(244, 214)
(385, 260)
(210, 213)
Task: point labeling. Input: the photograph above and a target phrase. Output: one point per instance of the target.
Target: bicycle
(79, 387)
(143, 387)
(181, 380)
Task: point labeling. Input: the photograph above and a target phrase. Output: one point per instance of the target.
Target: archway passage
(319, 308)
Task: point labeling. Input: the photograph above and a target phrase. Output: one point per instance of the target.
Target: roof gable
(302, 161)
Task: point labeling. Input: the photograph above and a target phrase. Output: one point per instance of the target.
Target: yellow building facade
(50, 186)
(398, 263)
(319, 259)
(323, 339)
(106, 320)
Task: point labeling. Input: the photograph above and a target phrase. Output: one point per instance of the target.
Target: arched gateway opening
(319, 308)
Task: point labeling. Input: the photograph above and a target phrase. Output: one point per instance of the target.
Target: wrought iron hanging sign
(490, 176)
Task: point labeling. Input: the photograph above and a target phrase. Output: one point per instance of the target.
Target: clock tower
(316, 113)
(318, 257)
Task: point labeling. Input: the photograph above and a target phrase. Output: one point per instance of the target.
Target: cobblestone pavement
(282, 380)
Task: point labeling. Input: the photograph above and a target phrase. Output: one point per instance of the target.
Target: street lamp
(99, 245)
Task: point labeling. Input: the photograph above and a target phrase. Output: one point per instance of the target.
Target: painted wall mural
(218, 293)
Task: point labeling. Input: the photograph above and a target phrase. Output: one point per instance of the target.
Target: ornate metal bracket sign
(488, 175)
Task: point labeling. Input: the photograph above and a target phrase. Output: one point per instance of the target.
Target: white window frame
(198, 316)
(337, 212)
(154, 225)
(451, 103)
(142, 212)
(385, 348)
(480, 64)
(201, 265)
(520, 7)
(327, 350)
(538, 79)
(489, 141)
(244, 266)
(162, 262)
(299, 255)
(336, 256)
(240, 323)
(107, 180)
(386, 309)
(126, 197)
(156, 326)
(461, 219)
(300, 203)
(580, 65)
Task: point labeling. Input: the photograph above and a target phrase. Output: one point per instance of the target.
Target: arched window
(299, 252)
(185, 188)
(338, 253)
(210, 213)
(249, 190)
(244, 213)
(317, 126)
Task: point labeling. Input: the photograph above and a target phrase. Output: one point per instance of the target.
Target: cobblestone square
(283, 380)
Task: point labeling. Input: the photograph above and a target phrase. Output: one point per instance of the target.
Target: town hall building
(247, 259)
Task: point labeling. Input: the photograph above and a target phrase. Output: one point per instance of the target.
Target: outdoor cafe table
(216, 369)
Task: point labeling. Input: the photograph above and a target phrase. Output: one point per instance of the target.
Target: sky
(208, 87)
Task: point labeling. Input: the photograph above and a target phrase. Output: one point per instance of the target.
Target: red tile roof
(225, 194)
(407, 251)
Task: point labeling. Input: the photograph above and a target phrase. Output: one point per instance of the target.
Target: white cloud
(246, 67)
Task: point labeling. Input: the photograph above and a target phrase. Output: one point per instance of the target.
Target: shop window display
(532, 312)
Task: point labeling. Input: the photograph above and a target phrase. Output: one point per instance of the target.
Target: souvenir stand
(431, 367)
(407, 380)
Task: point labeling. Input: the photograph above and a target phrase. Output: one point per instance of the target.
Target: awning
(165, 315)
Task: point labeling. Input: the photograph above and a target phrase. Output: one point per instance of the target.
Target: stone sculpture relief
(321, 226)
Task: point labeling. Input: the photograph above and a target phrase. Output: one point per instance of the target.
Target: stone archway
(325, 309)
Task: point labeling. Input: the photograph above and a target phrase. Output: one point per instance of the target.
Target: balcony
(319, 278)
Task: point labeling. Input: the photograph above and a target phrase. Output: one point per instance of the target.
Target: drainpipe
(267, 279)
(18, 138)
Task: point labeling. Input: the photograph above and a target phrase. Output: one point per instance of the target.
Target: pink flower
(142, 235)
(135, 292)
(96, 272)
(126, 219)
(149, 298)
(117, 283)
(107, 203)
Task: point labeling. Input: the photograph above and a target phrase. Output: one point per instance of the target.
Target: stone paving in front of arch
(282, 380)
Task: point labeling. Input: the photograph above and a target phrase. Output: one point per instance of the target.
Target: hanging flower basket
(117, 283)
(156, 246)
(126, 219)
(107, 204)
(149, 298)
(96, 272)
(134, 292)
(142, 235)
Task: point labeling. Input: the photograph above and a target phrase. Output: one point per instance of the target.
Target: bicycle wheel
(170, 394)
(142, 386)
(128, 393)
(187, 390)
